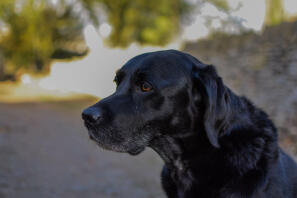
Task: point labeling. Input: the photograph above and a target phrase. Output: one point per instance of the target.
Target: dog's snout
(92, 115)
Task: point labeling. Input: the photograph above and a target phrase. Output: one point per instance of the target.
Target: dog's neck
(194, 157)
(178, 153)
(170, 151)
(181, 155)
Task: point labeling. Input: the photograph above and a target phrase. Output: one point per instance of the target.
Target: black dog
(215, 144)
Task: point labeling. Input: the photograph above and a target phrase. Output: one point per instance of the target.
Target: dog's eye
(145, 87)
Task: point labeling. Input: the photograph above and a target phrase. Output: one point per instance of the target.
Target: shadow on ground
(45, 152)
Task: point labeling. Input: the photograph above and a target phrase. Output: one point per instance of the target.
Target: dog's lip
(93, 137)
(136, 151)
(88, 125)
(89, 129)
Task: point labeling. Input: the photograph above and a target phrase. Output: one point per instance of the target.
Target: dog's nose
(92, 114)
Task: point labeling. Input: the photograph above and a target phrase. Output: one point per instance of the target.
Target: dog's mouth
(99, 143)
(93, 135)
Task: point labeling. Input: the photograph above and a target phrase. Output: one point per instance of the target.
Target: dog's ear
(216, 101)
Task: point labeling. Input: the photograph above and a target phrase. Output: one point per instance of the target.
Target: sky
(94, 74)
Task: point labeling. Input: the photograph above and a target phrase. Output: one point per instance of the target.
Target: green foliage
(34, 31)
(220, 4)
(153, 22)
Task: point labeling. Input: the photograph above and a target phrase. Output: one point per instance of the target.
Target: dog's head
(159, 93)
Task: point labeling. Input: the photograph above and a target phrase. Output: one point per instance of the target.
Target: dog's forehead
(158, 62)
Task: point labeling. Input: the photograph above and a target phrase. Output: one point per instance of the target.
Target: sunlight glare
(26, 79)
(104, 30)
(291, 7)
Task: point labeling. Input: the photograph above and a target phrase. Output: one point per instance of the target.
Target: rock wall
(262, 67)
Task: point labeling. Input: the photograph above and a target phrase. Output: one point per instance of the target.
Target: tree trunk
(275, 13)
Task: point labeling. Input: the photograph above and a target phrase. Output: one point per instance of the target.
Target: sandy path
(45, 152)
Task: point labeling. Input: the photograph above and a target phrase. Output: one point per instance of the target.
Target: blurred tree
(153, 22)
(275, 13)
(34, 32)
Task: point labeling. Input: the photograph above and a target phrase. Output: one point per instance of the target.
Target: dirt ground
(45, 152)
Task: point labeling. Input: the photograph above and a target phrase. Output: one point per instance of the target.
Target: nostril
(92, 114)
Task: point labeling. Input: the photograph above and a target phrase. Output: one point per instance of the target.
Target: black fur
(214, 143)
